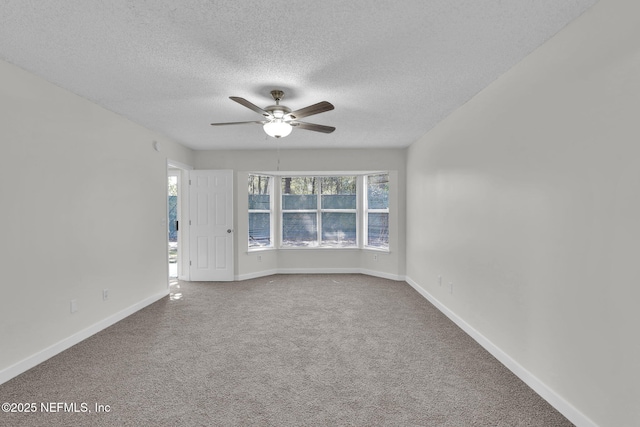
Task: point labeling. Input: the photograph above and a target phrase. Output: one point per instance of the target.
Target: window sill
(319, 248)
(374, 249)
(261, 249)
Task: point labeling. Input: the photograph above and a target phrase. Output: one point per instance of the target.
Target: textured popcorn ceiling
(392, 68)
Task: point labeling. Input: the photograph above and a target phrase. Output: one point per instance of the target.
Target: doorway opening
(176, 211)
(173, 205)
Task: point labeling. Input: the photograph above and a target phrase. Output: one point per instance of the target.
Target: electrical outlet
(259, 258)
(74, 305)
(375, 257)
(450, 287)
(105, 294)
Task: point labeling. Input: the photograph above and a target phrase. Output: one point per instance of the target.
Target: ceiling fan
(280, 120)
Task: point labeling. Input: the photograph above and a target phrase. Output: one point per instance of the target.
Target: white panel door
(211, 225)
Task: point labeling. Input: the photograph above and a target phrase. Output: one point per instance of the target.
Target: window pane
(299, 193)
(260, 201)
(258, 184)
(378, 230)
(299, 229)
(259, 197)
(298, 202)
(173, 218)
(339, 229)
(339, 192)
(259, 229)
(378, 191)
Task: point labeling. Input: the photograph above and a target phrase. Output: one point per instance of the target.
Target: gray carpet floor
(284, 350)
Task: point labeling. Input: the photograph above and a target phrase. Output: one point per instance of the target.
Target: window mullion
(275, 208)
(277, 191)
(365, 211)
(360, 211)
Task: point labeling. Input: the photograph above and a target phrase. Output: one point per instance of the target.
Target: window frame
(367, 211)
(320, 243)
(270, 211)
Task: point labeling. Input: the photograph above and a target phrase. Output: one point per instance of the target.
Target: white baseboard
(39, 357)
(554, 399)
(256, 275)
(382, 274)
(319, 271)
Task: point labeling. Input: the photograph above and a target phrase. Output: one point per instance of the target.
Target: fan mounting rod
(277, 111)
(277, 95)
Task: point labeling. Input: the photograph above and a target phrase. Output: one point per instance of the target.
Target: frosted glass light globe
(277, 128)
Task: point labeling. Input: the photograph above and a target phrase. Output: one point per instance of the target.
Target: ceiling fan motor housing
(277, 111)
(277, 95)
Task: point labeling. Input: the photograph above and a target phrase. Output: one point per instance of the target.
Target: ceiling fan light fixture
(277, 128)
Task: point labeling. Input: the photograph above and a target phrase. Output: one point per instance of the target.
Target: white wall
(528, 200)
(389, 265)
(83, 209)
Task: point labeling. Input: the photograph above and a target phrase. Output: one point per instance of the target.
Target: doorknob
(229, 230)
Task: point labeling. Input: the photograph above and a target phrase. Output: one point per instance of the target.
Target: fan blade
(237, 123)
(313, 126)
(249, 105)
(318, 108)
